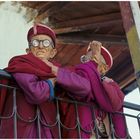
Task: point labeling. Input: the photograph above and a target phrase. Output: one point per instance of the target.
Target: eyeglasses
(45, 43)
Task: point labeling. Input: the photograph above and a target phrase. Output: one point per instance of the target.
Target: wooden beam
(83, 40)
(68, 53)
(130, 78)
(130, 87)
(50, 9)
(132, 32)
(126, 76)
(87, 27)
(123, 72)
(87, 20)
(29, 4)
(45, 7)
(124, 68)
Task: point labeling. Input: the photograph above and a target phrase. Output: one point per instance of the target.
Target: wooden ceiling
(78, 23)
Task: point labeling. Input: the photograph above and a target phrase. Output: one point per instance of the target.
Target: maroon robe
(27, 64)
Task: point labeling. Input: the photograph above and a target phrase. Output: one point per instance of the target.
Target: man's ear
(53, 53)
(27, 50)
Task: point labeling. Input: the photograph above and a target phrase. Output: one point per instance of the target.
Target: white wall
(133, 97)
(13, 32)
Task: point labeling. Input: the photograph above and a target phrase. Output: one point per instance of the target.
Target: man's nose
(40, 45)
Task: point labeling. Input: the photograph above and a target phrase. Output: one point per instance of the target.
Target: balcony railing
(78, 127)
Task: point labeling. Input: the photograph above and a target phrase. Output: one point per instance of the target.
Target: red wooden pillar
(133, 37)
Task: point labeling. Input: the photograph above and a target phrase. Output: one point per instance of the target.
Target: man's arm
(36, 91)
(78, 85)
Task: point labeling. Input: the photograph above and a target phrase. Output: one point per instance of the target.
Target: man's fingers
(96, 43)
(48, 63)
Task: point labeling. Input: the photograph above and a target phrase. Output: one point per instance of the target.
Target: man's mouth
(40, 52)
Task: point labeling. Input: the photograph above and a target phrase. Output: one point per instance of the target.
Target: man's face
(41, 46)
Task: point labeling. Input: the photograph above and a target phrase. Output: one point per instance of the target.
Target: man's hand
(47, 62)
(95, 47)
(108, 80)
(53, 67)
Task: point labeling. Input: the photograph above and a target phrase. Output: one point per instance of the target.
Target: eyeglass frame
(41, 41)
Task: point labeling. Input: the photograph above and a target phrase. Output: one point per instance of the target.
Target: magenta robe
(97, 96)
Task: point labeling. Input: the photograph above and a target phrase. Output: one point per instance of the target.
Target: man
(96, 63)
(35, 82)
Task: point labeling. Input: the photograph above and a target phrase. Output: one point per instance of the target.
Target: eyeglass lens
(36, 43)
